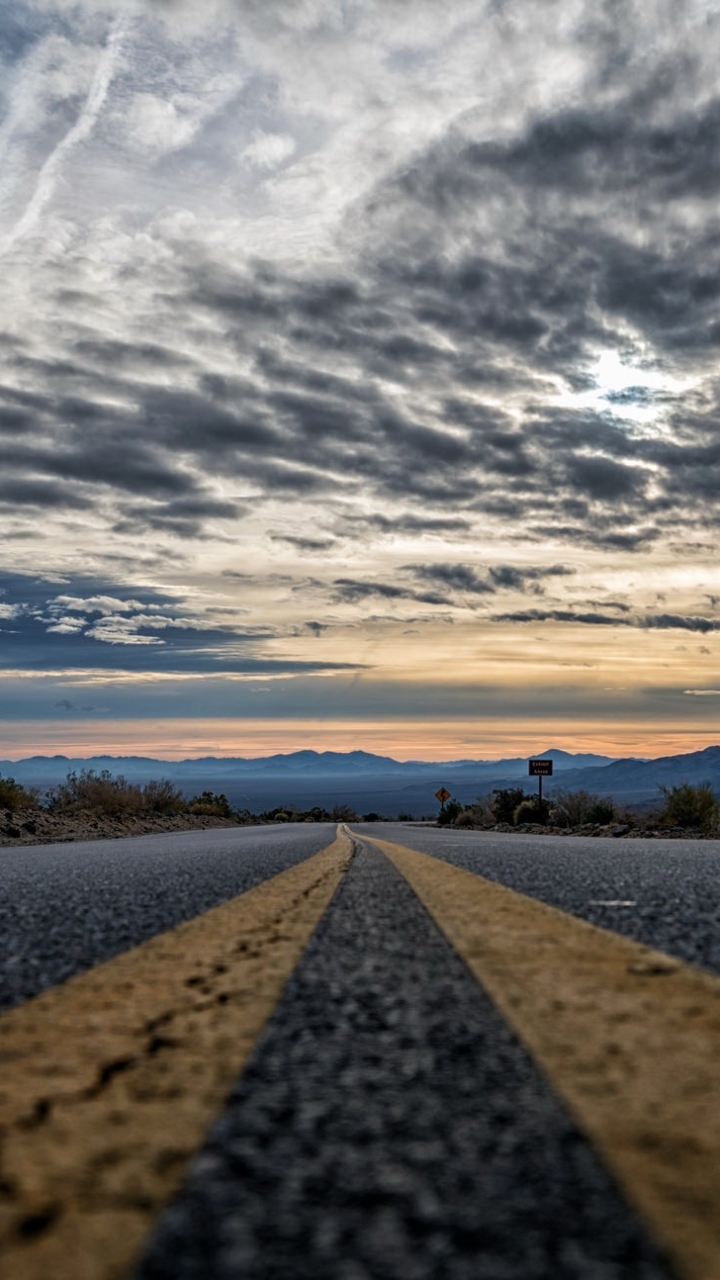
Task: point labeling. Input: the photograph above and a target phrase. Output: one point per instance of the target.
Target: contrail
(81, 129)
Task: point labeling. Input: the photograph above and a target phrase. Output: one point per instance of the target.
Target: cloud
(353, 591)
(304, 544)
(81, 129)
(283, 280)
(267, 150)
(651, 622)
(563, 615)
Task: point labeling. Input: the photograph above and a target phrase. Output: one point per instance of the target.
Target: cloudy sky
(359, 377)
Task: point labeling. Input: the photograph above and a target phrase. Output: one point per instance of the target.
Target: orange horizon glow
(403, 740)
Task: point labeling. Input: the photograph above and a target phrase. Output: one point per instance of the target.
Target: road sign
(540, 768)
(442, 795)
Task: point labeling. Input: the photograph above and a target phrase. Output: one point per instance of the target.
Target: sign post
(540, 769)
(442, 795)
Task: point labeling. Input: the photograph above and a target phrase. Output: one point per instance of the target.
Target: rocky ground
(617, 829)
(41, 826)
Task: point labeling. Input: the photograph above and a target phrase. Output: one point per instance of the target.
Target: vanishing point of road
(385, 1052)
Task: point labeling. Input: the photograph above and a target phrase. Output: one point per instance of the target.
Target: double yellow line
(109, 1082)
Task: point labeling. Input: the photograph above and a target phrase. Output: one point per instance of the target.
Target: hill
(381, 784)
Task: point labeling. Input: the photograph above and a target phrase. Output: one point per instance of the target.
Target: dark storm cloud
(563, 615)
(185, 517)
(457, 577)
(133, 356)
(603, 478)
(416, 524)
(48, 494)
(653, 622)
(672, 621)
(353, 591)
(464, 578)
(304, 544)
(132, 466)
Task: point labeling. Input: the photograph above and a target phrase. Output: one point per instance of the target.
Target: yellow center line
(109, 1082)
(629, 1037)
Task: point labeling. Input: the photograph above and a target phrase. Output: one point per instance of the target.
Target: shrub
(505, 801)
(14, 796)
(162, 797)
(474, 815)
(465, 819)
(574, 808)
(114, 796)
(100, 792)
(531, 810)
(210, 805)
(691, 806)
(449, 812)
(603, 811)
(343, 813)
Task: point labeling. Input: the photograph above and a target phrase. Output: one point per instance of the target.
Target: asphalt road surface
(389, 1125)
(665, 893)
(65, 907)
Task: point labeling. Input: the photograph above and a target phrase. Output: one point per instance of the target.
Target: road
(65, 907)
(665, 893)
(391, 1119)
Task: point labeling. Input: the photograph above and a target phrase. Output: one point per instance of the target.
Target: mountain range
(372, 783)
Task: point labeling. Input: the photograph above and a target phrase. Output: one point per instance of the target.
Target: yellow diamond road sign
(442, 795)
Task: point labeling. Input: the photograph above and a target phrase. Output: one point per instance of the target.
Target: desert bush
(210, 805)
(531, 810)
(162, 797)
(574, 808)
(14, 796)
(688, 805)
(466, 819)
(504, 802)
(343, 813)
(449, 812)
(602, 811)
(100, 792)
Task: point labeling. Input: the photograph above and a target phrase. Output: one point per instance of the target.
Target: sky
(359, 380)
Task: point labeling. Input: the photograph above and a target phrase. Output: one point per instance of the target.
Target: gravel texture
(66, 907)
(45, 826)
(665, 893)
(390, 1126)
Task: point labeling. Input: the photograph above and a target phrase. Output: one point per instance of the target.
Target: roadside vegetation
(105, 799)
(694, 807)
(105, 802)
(14, 797)
(688, 807)
(513, 807)
(112, 796)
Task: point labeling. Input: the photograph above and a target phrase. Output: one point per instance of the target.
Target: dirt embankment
(39, 826)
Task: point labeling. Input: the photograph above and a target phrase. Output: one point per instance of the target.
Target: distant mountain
(380, 784)
(639, 781)
(307, 762)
